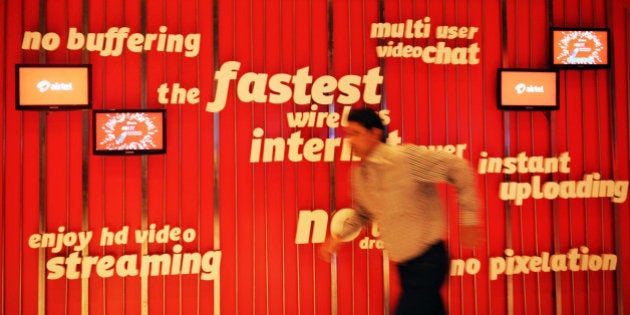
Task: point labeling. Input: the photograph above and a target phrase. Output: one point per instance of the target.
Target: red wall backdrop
(249, 211)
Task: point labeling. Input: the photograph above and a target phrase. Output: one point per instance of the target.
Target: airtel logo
(524, 88)
(45, 85)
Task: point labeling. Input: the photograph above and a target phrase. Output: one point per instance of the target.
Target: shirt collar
(379, 155)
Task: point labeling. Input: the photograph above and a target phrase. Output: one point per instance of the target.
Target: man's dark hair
(368, 118)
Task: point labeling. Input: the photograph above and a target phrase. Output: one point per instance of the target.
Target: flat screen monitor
(129, 131)
(53, 87)
(580, 48)
(528, 89)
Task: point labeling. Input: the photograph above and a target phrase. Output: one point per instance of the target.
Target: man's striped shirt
(395, 186)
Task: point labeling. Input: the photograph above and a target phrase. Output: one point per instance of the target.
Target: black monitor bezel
(52, 107)
(97, 151)
(527, 107)
(552, 57)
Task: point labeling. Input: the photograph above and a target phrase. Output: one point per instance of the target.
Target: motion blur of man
(394, 186)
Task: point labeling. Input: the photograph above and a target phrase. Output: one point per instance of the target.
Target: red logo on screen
(580, 47)
(45, 85)
(522, 88)
(129, 131)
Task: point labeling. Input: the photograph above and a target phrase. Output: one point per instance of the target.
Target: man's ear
(378, 134)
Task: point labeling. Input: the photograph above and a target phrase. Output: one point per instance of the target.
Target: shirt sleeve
(439, 166)
(360, 218)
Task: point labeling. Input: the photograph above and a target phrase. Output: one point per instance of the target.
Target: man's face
(362, 140)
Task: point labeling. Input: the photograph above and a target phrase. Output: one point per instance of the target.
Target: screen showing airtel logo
(53, 86)
(523, 88)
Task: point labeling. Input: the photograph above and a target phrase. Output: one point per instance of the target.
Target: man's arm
(439, 166)
(360, 218)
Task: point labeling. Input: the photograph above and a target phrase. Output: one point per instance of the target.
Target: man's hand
(328, 248)
(469, 235)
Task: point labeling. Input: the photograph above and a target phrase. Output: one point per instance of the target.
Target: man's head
(365, 130)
